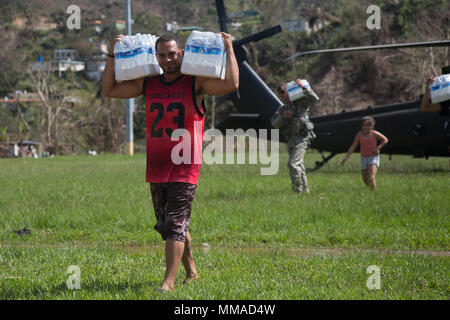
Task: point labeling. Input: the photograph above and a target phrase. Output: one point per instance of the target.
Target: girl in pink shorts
(367, 138)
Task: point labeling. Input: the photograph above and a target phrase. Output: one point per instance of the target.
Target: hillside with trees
(30, 31)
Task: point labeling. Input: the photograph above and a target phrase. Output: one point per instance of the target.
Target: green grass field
(253, 238)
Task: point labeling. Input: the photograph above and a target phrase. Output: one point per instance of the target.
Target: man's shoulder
(201, 80)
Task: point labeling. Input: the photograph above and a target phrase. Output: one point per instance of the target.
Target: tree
(53, 114)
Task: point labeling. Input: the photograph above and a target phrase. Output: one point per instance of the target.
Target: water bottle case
(440, 89)
(295, 92)
(204, 55)
(135, 57)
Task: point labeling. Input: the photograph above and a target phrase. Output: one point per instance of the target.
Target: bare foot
(165, 287)
(190, 278)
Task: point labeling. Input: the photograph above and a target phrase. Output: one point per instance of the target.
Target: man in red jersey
(173, 101)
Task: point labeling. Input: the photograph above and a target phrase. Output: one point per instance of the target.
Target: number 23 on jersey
(167, 119)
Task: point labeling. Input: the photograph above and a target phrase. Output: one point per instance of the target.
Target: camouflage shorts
(172, 202)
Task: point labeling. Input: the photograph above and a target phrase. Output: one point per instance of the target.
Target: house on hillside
(172, 26)
(175, 28)
(12, 100)
(24, 97)
(67, 65)
(295, 25)
(21, 96)
(97, 25)
(120, 25)
(309, 26)
(234, 17)
(65, 54)
(41, 23)
(63, 60)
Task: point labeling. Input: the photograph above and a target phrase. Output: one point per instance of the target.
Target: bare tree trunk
(21, 117)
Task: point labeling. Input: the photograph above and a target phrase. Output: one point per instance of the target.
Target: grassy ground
(96, 213)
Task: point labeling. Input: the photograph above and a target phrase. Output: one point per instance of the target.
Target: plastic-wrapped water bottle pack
(135, 57)
(440, 89)
(295, 92)
(204, 55)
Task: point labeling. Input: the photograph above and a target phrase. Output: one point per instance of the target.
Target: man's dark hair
(446, 70)
(168, 38)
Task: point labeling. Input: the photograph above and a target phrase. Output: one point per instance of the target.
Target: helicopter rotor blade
(442, 43)
(258, 36)
(222, 15)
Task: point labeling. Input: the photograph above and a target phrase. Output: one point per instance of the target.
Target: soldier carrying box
(292, 119)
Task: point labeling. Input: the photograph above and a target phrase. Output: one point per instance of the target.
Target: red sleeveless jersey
(170, 106)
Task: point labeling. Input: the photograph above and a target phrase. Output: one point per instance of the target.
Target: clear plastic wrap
(204, 55)
(295, 92)
(135, 57)
(440, 89)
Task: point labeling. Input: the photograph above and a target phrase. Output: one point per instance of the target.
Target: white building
(172, 26)
(58, 65)
(65, 54)
(295, 25)
(299, 25)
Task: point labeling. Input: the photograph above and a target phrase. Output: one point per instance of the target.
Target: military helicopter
(421, 134)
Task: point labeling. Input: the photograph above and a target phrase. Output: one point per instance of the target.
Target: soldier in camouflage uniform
(293, 121)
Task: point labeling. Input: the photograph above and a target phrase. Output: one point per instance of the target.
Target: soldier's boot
(297, 185)
(304, 180)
